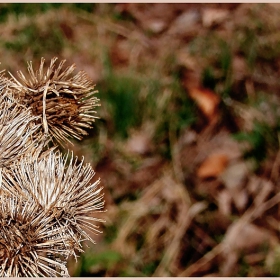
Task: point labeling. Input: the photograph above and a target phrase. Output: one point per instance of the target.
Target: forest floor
(187, 144)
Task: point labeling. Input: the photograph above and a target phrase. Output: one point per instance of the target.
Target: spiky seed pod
(29, 240)
(64, 102)
(18, 131)
(64, 188)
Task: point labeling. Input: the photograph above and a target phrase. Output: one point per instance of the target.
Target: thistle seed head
(18, 132)
(64, 103)
(63, 188)
(29, 241)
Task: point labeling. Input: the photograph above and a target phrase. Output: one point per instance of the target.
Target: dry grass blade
(64, 102)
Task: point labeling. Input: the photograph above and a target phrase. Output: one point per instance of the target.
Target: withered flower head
(64, 102)
(30, 243)
(63, 188)
(18, 132)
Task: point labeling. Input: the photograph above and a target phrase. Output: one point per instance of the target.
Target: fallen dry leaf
(185, 23)
(207, 101)
(211, 16)
(213, 166)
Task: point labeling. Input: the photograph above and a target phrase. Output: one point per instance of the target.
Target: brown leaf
(185, 24)
(207, 101)
(213, 166)
(211, 16)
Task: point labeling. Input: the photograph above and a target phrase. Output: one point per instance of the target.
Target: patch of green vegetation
(123, 16)
(275, 268)
(178, 113)
(183, 110)
(248, 46)
(225, 64)
(130, 272)
(258, 40)
(36, 41)
(110, 233)
(31, 9)
(150, 268)
(87, 7)
(24, 8)
(218, 53)
(262, 138)
(208, 78)
(121, 93)
(104, 260)
(244, 267)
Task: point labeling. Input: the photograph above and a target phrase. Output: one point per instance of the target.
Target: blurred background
(187, 144)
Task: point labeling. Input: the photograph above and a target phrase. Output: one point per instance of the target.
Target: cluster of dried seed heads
(48, 202)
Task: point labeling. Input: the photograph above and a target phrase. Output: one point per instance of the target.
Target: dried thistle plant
(48, 202)
(17, 130)
(29, 240)
(64, 190)
(64, 102)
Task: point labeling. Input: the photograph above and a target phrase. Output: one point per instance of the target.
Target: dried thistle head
(64, 102)
(63, 188)
(30, 242)
(18, 131)
(48, 201)
(4, 81)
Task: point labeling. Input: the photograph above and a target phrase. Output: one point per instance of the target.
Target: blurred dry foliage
(187, 145)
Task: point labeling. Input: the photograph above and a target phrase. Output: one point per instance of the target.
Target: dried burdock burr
(18, 131)
(63, 187)
(49, 203)
(30, 243)
(64, 102)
